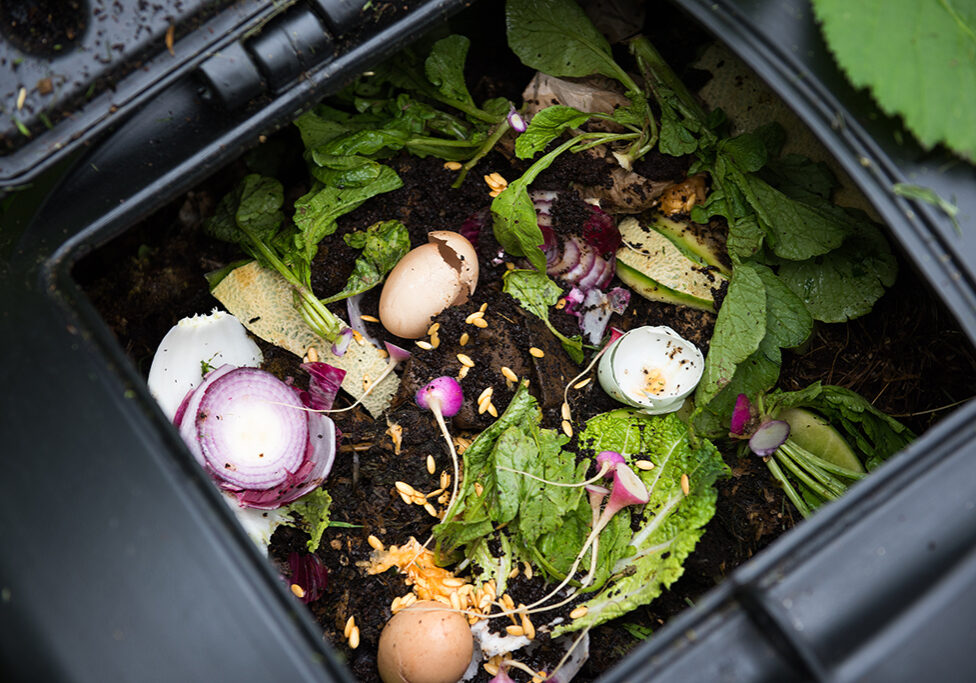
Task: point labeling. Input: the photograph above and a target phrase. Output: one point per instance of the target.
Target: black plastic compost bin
(111, 565)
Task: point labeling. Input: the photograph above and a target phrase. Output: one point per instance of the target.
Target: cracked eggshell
(425, 643)
(430, 278)
(651, 368)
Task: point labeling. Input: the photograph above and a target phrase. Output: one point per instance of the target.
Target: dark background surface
(111, 567)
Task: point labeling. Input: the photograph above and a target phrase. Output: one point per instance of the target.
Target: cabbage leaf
(670, 524)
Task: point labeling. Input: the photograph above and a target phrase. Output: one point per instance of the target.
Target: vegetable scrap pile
(509, 354)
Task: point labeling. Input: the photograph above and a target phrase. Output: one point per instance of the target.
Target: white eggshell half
(216, 339)
(645, 352)
(441, 273)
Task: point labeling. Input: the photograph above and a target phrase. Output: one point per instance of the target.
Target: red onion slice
(184, 419)
(252, 429)
(568, 259)
(319, 458)
(583, 266)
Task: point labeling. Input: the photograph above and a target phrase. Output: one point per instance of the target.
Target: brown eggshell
(441, 273)
(464, 252)
(425, 643)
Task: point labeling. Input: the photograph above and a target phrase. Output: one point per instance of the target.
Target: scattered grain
(404, 487)
(513, 630)
(463, 372)
(567, 428)
(354, 638)
(297, 591)
(431, 510)
(536, 352)
(567, 412)
(579, 612)
(474, 316)
(370, 318)
(465, 360)
(431, 465)
(312, 354)
(583, 383)
(426, 346)
(452, 165)
(480, 323)
(685, 484)
(509, 374)
(374, 543)
(464, 339)
(350, 624)
(644, 465)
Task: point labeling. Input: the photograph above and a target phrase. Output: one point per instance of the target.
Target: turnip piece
(596, 495)
(608, 461)
(769, 436)
(628, 489)
(443, 397)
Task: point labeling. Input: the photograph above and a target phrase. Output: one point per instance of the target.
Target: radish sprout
(443, 397)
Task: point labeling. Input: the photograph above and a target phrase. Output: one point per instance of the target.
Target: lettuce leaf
(502, 516)
(670, 524)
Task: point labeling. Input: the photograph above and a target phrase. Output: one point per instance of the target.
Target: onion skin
(308, 572)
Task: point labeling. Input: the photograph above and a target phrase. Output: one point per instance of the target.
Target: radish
(443, 397)
(627, 489)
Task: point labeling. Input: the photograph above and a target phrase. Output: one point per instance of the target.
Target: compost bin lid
(70, 68)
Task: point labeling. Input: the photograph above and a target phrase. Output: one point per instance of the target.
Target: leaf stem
(788, 488)
(327, 325)
(496, 135)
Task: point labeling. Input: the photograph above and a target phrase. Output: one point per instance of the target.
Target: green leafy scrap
(316, 212)
(670, 525)
(536, 293)
(546, 126)
(557, 38)
(844, 283)
(918, 58)
(383, 244)
(313, 510)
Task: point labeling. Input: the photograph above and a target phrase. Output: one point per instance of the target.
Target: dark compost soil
(907, 357)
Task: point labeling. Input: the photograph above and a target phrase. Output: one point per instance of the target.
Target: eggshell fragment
(430, 278)
(425, 643)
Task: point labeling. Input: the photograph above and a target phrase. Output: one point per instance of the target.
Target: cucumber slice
(658, 270)
(655, 291)
(813, 433)
(695, 241)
